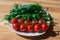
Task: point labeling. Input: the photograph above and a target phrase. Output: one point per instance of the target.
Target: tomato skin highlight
(44, 26)
(36, 28)
(13, 20)
(20, 20)
(26, 22)
(15, 26)
(40, 21)
(22, 27)
(30, 28)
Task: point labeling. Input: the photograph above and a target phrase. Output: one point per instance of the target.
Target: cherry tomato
(22, 27)
(44, 26)
(30, 28)
(35, 24)
(40, 21)
(13, 20)
(33, 21)
(15, 26)
(20, 20)
(36, 27)
(26, 22)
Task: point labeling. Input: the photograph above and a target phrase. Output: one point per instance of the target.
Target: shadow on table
(49, 33)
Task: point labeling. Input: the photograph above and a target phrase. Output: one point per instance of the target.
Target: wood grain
(52, 6)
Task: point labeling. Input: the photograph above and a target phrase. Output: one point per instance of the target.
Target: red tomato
(44, 26)
(15, 26)
(20, 20)
(13, 20)
(36, 27)
(35, 24)
(33, 21)
(40, 21)
(22, 27)
(30, 28)
(26, 22)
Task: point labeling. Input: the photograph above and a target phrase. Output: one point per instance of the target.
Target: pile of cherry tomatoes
(29, 26)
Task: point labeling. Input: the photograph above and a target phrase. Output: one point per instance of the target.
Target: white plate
(28, 34)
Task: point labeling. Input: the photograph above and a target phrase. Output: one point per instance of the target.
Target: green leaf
(18, 16)
(7, 17)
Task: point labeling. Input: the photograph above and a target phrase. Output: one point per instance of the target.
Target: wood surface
(52, 6)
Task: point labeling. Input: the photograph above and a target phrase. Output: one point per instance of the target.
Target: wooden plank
(6, 8)
(53, 7)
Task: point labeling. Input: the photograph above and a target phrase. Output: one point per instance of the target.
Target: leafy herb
(27, 11)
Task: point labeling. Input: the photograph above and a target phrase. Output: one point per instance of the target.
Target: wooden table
(52, 6)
